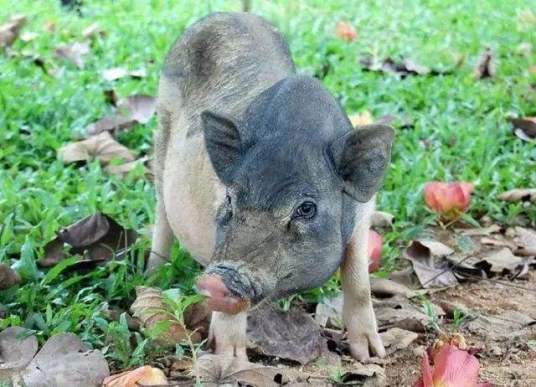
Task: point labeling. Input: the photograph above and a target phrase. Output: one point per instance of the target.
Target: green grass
(460, 131)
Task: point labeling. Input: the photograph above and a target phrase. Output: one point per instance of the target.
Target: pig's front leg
(358, 314)
(228, 334)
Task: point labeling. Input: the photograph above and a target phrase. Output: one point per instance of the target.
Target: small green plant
(459, 317)
(433, 319)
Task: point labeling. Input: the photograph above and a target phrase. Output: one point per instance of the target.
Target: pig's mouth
(227, 290)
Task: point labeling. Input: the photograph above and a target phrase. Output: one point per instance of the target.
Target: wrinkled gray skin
(243, 143)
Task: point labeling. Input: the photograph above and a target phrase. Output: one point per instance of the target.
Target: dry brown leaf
(144, 376)
(98, 237)
(65, 360)
(395, 339)
(75, 52)
(524, 128)
(124, 169)
(371, 375)
(360, 119)
(16, 349)
(92, 31)
(485, 66)
(8, 277)
(328, 312)
(429, 263)
(291, 335)
(403, 68)
(101, 147)
(115, 73)
(502, 261)
(382, 219)
(149, 307)
(217, 370)
(498, 240)
(507, 325)
(345, 31)
(519, 195)
(140, 107)
(525, 239)
(398, 311)
(484, 231)
(10, 30)
(110, 123)
(383, 287)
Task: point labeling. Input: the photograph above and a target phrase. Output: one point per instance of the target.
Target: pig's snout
(221, 297)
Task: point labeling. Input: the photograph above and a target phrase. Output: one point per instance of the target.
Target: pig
(262, 178)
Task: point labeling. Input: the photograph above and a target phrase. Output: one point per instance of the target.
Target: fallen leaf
(361, 119)
(114, 314)
(498, 240)
(144, 376)
(398, 311)
(448, 199)
(395, 339)
(8, 278)
(375, 243)
(502, 261)
(140, 107)
(363, 375)
(452, 367)
(10, 30)
(98, 238)
(485, 66)
(345, 31)
(92, 31)
(383, 287)
(291, 335)
(157, 320)
(484, 231)
(519, 195)
(328, 312)
(382, 219)
(65, 360)
(525, 239)
(116, 73)
(101, 147)
(217, 370)
(402, 68)
(504, 326)
(123, 169)
(524, 128)
(429, 263)
(17, 349)
(110, 123)
(75, 52)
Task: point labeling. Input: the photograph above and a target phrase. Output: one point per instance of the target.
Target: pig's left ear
(361, 157)
(223, 144)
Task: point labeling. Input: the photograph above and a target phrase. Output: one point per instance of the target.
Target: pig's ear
(361, 157)
(223, 144)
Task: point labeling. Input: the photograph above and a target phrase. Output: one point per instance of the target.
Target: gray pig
(261, 176)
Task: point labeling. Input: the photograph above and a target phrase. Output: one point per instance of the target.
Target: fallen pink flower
(448, 199)
(375, 243)
(452, 367)
(345, 31)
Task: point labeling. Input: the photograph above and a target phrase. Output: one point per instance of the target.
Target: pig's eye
(306, 210)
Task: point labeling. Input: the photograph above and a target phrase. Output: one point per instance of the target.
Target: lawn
(449, 127)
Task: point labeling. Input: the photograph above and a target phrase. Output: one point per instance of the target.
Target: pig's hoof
(366, 345)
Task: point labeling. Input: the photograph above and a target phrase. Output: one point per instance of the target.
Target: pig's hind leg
(228, 334)
(358, 314)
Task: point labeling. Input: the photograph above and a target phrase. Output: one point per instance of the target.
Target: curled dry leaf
(375, 243)
(382, 219)
(144, 376)
(157, 320)
(448, 199)
(101, 147)
(98, 238)
(10, 30)
(110, 123)
(502, 261)
(74, 52)
(139, 107)
(292, 335)
(519, 195)
(8, 277)
(115, 73)
(485, 66)
(524, 128)
(452, 367)
(345, 31)
(429, 263)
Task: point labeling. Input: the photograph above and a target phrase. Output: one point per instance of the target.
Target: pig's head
(295, 170)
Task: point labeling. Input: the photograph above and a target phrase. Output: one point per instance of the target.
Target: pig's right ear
(361, 157)
(223, 144)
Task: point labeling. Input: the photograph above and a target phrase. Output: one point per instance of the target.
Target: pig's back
(221, 63)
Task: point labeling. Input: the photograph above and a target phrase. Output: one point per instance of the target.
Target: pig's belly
(191, 193)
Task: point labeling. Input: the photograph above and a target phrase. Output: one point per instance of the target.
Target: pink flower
(448, 199)
(345, 31)
(375, 242)
(452, 367)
